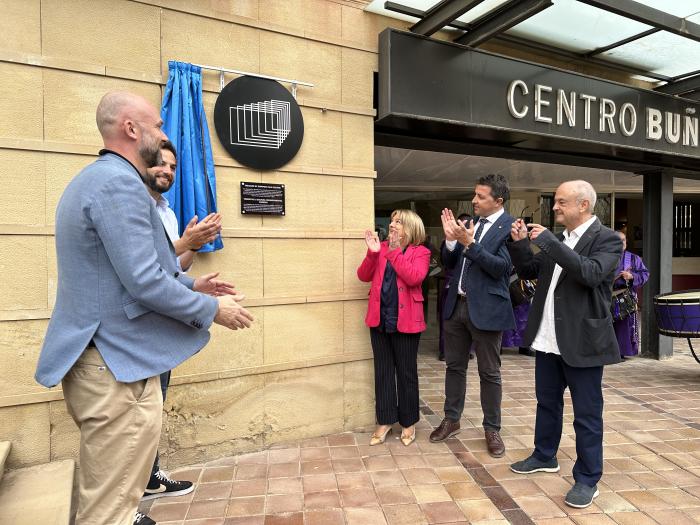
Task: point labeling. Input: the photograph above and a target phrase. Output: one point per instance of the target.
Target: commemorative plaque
(258, 198)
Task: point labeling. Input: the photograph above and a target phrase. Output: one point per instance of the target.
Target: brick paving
(652, 463)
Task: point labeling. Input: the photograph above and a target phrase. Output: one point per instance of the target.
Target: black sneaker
(532, 464)
(581, 495)
(142, 519)
(160, 486)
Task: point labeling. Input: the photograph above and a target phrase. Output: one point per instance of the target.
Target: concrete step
(5, 447)
(37, 495)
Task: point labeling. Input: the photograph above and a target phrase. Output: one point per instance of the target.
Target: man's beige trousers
(119, 431)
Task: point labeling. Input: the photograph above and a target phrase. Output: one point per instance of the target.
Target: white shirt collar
(162, 202)
(494, 216)
(578, 232)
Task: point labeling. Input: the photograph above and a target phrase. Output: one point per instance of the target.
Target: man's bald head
(118, 106)
(583, 191)
(574, 203)
(131, 126)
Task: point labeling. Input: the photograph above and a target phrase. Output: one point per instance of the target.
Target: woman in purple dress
(630, 272)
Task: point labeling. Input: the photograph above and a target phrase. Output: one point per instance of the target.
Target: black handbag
(623, 304)
(521, 290)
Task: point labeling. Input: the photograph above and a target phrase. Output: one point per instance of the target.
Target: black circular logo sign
(258, 122)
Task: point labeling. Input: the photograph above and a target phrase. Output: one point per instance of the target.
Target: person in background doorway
(464, 218)
(514, 338)
(396, 268)
(631, 273)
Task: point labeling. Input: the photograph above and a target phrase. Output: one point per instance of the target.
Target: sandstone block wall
(305, 368)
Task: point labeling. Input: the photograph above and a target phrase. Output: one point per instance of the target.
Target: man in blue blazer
(123, 314)
(477, 308)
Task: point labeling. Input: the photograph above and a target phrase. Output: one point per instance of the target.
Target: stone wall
(305, 367)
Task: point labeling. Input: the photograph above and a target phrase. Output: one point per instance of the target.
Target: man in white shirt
(159, 179)
(477, 308)
(570, 328)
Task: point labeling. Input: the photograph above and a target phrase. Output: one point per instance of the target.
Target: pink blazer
(411, 268)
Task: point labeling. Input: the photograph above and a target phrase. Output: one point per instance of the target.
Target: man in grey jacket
(123, 314)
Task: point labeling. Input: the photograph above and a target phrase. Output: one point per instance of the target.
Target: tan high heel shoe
(378, 440)
(406, 439)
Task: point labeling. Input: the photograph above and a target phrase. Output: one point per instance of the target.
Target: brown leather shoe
(447, 429)
(495, 444)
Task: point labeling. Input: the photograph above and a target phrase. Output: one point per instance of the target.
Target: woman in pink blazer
(396, 268)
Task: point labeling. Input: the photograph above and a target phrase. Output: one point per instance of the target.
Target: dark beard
(151, 157)
(152, 182)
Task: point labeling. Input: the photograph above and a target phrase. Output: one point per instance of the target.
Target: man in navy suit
(477, 308)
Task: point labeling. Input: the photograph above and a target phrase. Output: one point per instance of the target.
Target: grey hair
(585, 192)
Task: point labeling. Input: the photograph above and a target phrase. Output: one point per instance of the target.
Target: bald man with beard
(124, 313)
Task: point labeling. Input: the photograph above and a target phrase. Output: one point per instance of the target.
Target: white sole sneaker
(595, 495)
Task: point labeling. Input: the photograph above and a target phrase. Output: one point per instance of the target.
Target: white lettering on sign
(674, 128)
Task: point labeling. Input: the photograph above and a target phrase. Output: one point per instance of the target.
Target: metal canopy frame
(492, 25)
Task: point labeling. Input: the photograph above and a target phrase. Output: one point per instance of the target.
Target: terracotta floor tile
(339, 440)
(364, 516)
(312, 454)
(478, 510)
(285, 455)
(344, 452)
(314, 442)
(359, 497)
(221, 490)
(254, 458)
(382, 478)
(324, 517)
(321, 466)
(207, 509)
(467, 490)
(521, 487)
(246, 520)
(319, 482)
(420, 476)
(168, 512)
(217, 474)
(280, 503)
(678, 498)
(444, 459)
(405, 515)
(539, 507)
(675, 517)
(351, 480)
(645, 500)
(632, 518)
(593, 519)
(252, 471)
(386, 462)
(395, 495)
(283, 470)
(348, 465)
(240, 507)
(452, 475)
(442, 512)
(204, 521)
(430, 493)
(610, 502)
(287, 518)
(187, 474)
(328, 499)
(284, 486)
(252, 487)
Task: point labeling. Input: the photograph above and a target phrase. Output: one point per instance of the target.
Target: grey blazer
(118, 281)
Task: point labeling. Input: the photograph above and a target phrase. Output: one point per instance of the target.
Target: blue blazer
(487, 280)
(118, 281)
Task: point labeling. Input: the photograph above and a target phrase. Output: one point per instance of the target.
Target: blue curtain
(185, 123)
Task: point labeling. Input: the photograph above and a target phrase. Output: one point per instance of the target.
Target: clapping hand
(372, 241)
(518, 230)
(394, 239)
(231, 314)
(456, 230)
(210, 285)
(197, 234)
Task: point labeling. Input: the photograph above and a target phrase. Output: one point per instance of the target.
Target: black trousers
(552, 376)
(460, 336)
(395, 377)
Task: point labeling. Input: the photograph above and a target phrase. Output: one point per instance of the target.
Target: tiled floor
(652, 463)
